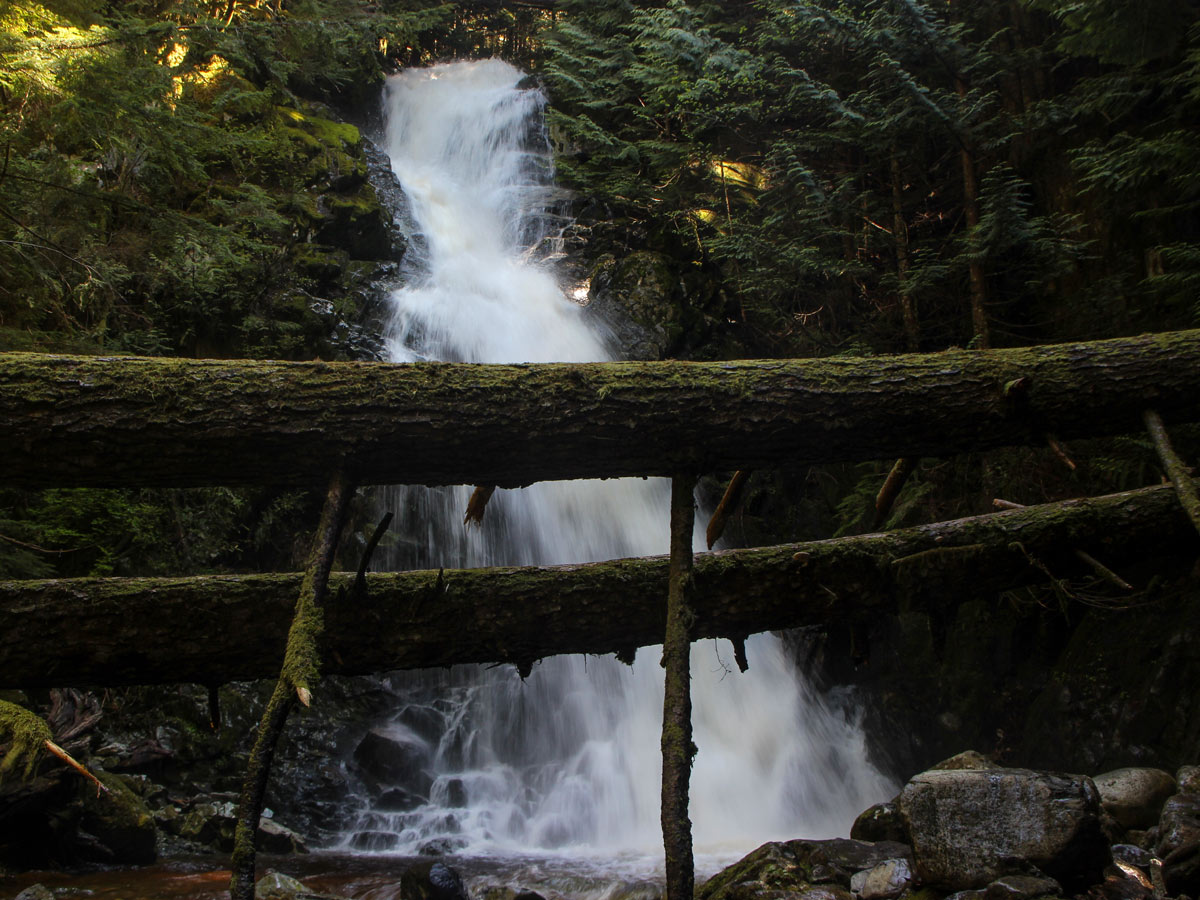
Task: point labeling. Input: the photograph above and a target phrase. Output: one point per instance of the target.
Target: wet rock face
(970, 827)
(635, 297)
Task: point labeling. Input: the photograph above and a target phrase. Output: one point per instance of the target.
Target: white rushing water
(568, 760)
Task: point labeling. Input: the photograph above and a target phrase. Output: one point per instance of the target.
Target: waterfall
(568, 760)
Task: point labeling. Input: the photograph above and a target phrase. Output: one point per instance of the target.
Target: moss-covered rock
(355, 222)
(119, 821)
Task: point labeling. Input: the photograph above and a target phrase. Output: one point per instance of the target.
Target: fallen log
(97, 421)
(220, 628)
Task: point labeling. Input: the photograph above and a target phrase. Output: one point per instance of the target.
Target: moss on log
(219, 628)
(97, 421)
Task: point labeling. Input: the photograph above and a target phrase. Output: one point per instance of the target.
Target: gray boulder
(969, 827)
(1134, 796)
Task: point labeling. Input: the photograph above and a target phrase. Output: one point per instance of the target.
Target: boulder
(277, 886)
(211, 822)
(276, 838)
(119, 821)
(1188, 779)
(799, 866)
(882, 822)
(1134, 796)
(35, 892)
(970, 827)
(398, 800)
(394, 756)
(432, 881)
(888, 879)
(1179, 844)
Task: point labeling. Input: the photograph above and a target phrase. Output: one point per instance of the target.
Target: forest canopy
(809, 178)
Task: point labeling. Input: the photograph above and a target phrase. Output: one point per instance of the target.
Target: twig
(360, 580)
(1060, 452)
(730, 500)
(739, 653)
(1098, 567)
(70, 761)
(892, 486)
(1176, 470)
(478, 503)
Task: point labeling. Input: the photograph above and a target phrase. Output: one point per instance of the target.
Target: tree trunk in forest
(677, 746)
(213, 629)
(981, 339)
(150, 422)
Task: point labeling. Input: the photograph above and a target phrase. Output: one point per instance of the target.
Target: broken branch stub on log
(151, 422)
(113, 631)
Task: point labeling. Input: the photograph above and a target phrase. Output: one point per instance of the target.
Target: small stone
(1021, 887)
(888, 879)
(35, 892)
(432, 881)
(277, 886)
(1131, 855)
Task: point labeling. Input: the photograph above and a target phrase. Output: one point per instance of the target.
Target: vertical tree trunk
(981, 339)
(677, 746)
(908, 309)
(295, 682)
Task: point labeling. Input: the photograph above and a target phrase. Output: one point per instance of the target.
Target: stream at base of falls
(364, 877)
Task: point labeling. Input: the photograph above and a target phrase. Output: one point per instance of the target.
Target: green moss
(28, 733)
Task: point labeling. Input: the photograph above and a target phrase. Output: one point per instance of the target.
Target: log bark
(219, 628)
(94, 421)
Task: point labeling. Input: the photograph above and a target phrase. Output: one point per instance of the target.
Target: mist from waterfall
(568, 760)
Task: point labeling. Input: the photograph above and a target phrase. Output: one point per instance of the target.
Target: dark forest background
(794, 179)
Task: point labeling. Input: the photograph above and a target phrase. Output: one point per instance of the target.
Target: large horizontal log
(97, 421)
(216, 629)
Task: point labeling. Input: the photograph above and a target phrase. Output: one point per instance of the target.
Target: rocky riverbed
(966, 829)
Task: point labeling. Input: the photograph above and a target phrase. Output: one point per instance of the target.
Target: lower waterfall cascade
(566, 761)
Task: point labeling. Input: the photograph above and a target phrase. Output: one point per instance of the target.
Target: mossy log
(96, 421)
(220, 628)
